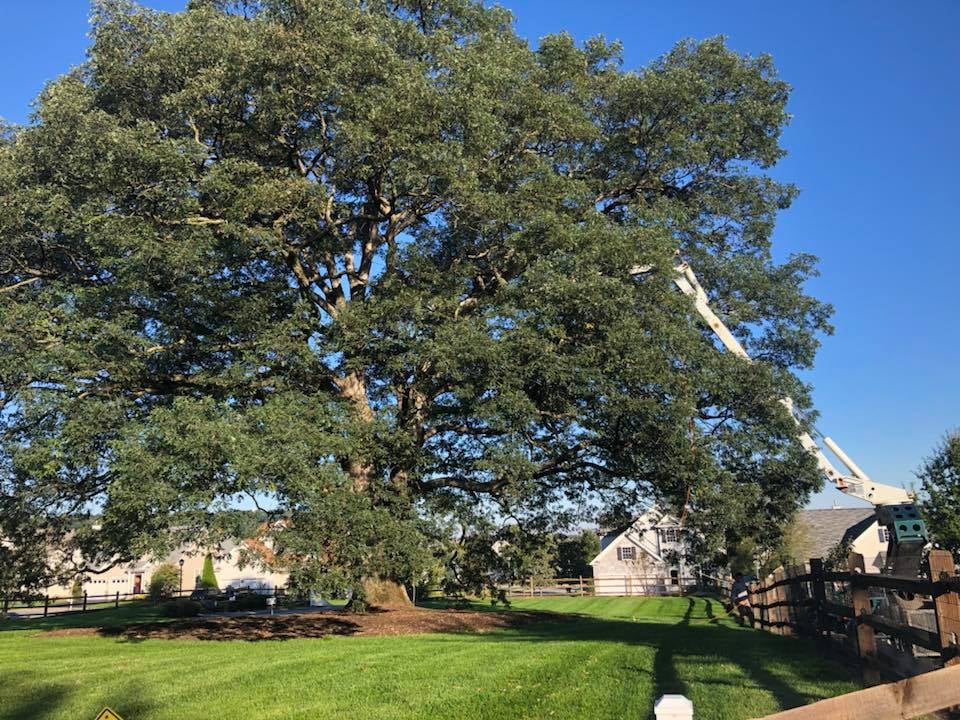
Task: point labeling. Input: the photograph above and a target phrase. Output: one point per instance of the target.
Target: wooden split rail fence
(610, 585)
(878, 617)
(897, 625)
(911, 698)
(45, 605)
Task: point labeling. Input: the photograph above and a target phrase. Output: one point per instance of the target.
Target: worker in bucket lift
(740, 599)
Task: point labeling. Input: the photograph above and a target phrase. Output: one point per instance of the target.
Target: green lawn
(610, 662)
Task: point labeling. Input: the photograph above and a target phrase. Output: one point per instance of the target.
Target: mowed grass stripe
(609, 660)
(532, 679)
(648, 609)
(397, 679)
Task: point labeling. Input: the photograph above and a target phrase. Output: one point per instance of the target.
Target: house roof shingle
(827, 528)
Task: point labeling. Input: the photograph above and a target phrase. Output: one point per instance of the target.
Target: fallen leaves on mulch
(405, 621)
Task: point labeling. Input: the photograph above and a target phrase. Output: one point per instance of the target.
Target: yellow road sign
(108, 714)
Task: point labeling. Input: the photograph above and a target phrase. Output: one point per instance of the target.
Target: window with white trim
(884, 534)
(627, 552)
(670, 534)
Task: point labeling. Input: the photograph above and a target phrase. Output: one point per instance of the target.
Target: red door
(137, 584)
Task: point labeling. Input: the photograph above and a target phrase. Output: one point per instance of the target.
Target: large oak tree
(361, 262)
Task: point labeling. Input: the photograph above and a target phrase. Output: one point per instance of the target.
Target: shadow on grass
(253, 628)
(688, 646)
(37, 703)
(708, 608)
(140, 611)
(704, 643)
(39, 699)
(293, 626)
(147, 615)
(665, 677)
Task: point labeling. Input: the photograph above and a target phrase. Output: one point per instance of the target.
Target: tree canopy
(360, 263)
(940, 492)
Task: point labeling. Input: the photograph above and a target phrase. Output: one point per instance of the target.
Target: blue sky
(873, 146)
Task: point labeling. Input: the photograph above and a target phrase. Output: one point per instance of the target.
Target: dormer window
(670, 534)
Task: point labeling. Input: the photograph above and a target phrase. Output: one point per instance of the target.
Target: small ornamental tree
(574, 554)
(795, 547)
(525, 555)
(208, 578)
(836, 558)
(473, 565)
(940, 492)
(164, 582)
(76, 590)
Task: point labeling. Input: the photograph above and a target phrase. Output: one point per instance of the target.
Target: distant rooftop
(828, 528)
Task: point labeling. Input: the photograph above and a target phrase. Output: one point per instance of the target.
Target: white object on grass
(673, 707)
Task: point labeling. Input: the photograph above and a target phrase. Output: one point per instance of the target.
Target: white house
(134, 577)
(644, 558)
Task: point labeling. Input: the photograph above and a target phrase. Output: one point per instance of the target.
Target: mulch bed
(398, 621)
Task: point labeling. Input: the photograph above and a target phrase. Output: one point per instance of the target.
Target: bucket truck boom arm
(856, 483)
(894, 505)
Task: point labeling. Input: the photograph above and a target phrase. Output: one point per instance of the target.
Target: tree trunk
(377, 592)
(381, 594)
(354, 389)
(385, 594)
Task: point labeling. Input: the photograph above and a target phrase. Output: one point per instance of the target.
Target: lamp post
(180, 591)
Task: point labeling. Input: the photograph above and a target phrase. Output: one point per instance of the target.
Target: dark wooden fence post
(780, 597)
(756, 601)
(819, 595)
(84, 601)
(765, 608)
(46, 604)
(786, 596)
(948, 607)
(866, 639)
(772, 603)
(796, 600)
(116, 602)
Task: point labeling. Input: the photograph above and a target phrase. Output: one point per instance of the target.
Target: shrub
(76, 590)
(164, 582)
(182, 607)
(208, 579)
(500, 598)
(289, 601)
(251, 601)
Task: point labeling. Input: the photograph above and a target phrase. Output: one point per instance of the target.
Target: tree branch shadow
(702, 641)
(39, 699)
